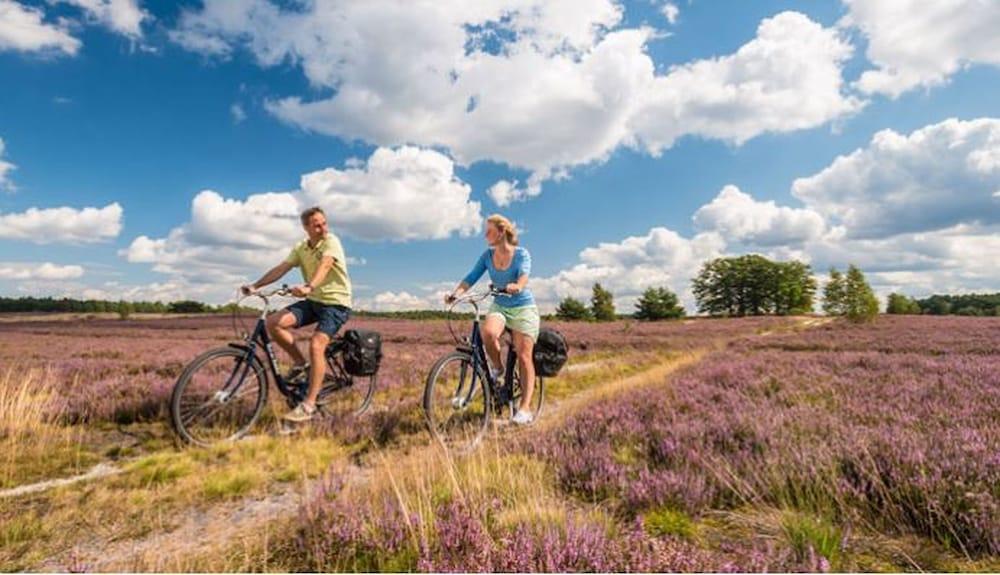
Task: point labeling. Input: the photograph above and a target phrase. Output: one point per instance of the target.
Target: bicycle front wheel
(219, 396)
(457, 400)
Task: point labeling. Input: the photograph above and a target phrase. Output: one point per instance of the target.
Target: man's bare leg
(279, 325)
(317, 352)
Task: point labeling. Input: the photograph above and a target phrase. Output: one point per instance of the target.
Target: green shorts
(523, 319)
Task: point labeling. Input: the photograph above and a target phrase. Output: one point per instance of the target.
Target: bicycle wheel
(456, 401)
(219, 396)
(537, 396)
(343, 394)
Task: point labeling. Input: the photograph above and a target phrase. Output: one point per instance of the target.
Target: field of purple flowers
(845, 447)
(888, 428)
(123, 371)
(839, 446)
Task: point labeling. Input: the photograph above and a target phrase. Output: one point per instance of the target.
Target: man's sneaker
(297, 374)
(523, 417)
(302, 412)
(497, 373)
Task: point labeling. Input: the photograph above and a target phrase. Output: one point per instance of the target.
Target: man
(327, 303)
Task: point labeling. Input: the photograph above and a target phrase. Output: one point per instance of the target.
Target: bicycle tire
(189, 385)
(452, 423)
(333, 398)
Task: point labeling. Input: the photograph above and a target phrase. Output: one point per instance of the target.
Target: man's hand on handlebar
(302, 290)
(248, 289)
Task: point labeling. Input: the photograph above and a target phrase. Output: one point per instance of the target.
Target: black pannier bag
(362, 351)
(550, 354)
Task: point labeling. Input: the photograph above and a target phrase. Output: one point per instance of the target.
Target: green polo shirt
(336, 287)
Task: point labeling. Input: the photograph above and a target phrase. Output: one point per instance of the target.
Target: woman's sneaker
(523, 417)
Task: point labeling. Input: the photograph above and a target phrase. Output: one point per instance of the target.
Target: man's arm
(324, 268)
(272, 275)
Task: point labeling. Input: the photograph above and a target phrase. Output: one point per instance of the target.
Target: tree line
(70, 305)
(967, 304)
(753, 285)
(724, 287)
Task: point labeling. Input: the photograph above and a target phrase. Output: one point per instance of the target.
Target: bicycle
(461, 395)
(222, 393)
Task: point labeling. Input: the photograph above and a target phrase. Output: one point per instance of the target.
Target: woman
(508, 266)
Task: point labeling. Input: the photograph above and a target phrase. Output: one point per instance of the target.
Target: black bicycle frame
(478, 352)
(262, 338)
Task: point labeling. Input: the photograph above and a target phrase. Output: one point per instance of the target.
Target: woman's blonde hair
(506, 226)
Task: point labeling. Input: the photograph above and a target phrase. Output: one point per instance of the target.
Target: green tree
(860, 303)
(793, 288)
(658, 303)
(125, 309)
(899, 304)
(833, 294)
(602, 304)
(573, 310)
(187, 306)
(753, 285)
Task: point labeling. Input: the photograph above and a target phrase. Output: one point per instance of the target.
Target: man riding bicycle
(327, 303)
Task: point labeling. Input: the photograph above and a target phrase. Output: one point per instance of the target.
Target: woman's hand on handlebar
(512, 289)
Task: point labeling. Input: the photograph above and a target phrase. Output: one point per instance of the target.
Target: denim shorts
(330, 317)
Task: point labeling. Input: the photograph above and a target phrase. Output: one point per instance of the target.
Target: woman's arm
(522, 275)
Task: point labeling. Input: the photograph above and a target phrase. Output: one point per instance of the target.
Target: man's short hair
(310, 213)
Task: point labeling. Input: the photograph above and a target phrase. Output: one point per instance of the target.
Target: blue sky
(629, 147)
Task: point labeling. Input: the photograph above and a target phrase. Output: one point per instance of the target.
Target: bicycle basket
(550, 353)
(362, 351)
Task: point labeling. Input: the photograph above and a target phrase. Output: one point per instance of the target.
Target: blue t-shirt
(519, 266)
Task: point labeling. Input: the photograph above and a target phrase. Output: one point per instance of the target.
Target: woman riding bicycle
(508, 266)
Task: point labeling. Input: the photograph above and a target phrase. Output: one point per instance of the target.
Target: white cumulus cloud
(121, 16)
(397, 195)
(38, 271)
(934, 178)
(24, 29)
(402, 194)
(63, 224)
(915, 43)
(543, 86)
(739, 217)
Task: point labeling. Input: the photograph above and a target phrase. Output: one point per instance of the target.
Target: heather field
(788, 444)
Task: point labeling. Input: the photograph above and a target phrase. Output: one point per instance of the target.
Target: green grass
(669, 521)
(805, 531)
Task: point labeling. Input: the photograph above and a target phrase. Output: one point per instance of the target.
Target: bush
(572, 310)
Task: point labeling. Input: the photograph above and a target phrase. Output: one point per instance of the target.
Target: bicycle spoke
(219, 398)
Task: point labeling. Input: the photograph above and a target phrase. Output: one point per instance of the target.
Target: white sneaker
(302, 412)
(523, 417)
(497, 373)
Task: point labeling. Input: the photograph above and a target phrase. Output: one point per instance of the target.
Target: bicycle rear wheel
(219, 396)
(342, 394)
(457, 401)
